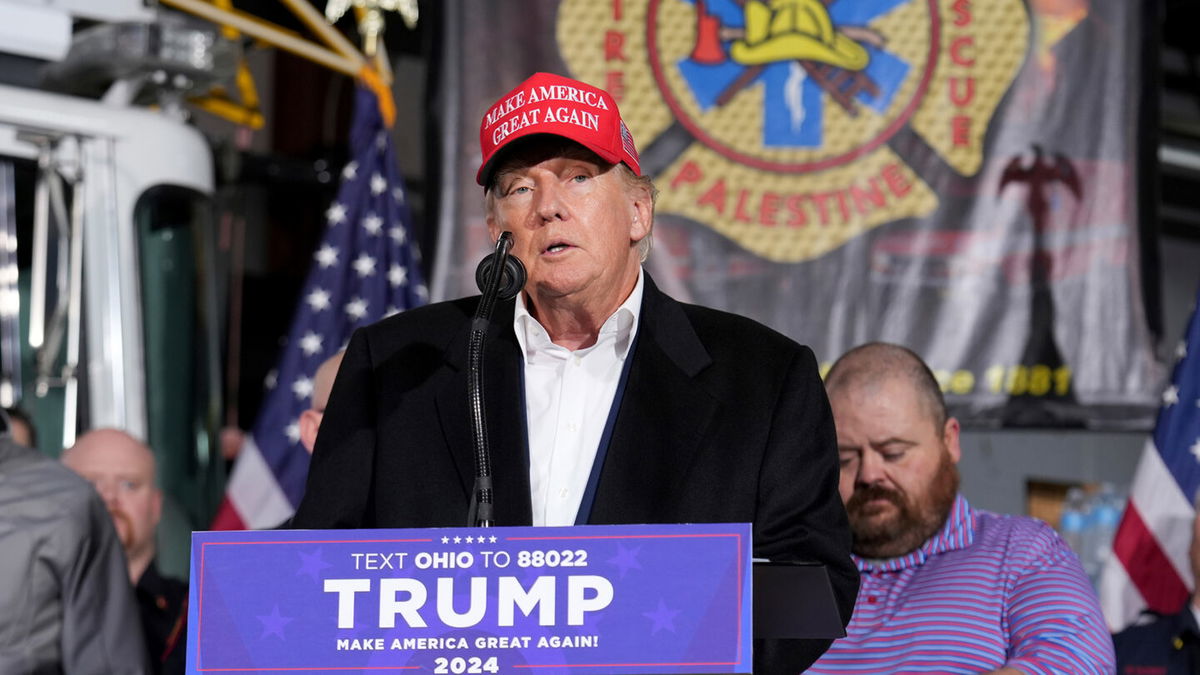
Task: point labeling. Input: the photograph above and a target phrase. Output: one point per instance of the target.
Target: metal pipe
(74, 309)
(41, 242)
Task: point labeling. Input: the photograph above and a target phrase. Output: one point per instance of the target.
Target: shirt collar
(621, 325)
(957, 532)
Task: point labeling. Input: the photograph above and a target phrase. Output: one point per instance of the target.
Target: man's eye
(128, 485)
(580, 178)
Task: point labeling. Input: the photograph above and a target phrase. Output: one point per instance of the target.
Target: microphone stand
(501, 276)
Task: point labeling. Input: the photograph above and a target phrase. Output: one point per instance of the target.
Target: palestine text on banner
(1149, 567)
(365, 268)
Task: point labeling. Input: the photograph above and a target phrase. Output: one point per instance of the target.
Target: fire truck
(110, 288)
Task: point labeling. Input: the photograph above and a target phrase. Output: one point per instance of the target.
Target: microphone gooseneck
(499, 275)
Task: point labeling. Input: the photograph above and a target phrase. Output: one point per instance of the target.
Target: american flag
(1149, 565)
(365, 268)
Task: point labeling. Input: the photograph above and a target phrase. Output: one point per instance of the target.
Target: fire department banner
(952, 175)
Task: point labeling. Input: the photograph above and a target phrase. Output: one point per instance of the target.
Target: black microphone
(512, 275)
(498, 275)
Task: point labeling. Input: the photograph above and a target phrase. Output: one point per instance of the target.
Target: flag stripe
(1147, 565)
(1163, 510)
(227, 517)
(1119, 598)
(253, 491)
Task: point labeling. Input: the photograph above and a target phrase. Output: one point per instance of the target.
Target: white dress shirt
(568, 395)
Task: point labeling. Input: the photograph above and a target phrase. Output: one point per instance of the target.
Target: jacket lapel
(664, 417)
(503, 393)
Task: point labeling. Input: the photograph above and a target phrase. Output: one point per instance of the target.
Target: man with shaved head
(945, 587)
(122, 469)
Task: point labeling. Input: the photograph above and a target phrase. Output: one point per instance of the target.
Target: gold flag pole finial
(371, 24)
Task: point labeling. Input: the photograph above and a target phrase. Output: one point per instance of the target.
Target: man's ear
(643, 214)
(950, 433)
(493, 228)
(156, 506)
(310, 422)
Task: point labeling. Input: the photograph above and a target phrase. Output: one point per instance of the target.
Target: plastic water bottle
(1074, 520)
(1105, 515)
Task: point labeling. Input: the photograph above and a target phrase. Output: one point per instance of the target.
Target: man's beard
(124, 527)
(913, 523)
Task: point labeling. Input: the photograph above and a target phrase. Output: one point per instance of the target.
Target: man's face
(575, 224)
(122, 471)
(898, 474)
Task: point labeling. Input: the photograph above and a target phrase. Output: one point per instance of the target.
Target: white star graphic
(445, 540)
(458, 540)
(356, 308)
(1181, 350)
(492, 539)
(271, 379)
(373, 224)
(378, 184)
(1171, 396)
(416, 254)
(381, 140)
(318, 299)
(326, 256)
(336, 214)
(423, 293)
(398, 234)
(364, 265)
(398, 195)
(390, 311)
(397, 275)
(293, 432)
(1195, 449)
(310, 344)
(302, 388)
(350, 171)
(470, 540)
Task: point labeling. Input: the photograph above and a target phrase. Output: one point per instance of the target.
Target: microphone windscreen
(512, 277)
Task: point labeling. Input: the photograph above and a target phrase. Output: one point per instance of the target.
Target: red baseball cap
(553, 104)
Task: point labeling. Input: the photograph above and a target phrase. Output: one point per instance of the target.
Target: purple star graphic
(662, 618)
(312, 564)
(626, 559)
(273, 623)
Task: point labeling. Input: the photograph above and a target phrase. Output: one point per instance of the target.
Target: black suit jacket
(722, 420)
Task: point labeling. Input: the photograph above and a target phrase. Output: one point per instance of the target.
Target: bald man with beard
(946, 588)
(122, 469)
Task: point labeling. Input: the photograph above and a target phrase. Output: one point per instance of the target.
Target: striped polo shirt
(987, 591)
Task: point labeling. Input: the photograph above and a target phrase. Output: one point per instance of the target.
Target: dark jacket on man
(721, 420)
(162, 603)
(1161, 644)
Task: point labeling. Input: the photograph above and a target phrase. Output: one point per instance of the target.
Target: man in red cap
(609, 402)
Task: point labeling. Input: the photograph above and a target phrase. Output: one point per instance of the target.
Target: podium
(794, 601)
(590, 599)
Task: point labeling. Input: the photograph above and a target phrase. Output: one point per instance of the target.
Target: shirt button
(578, 360)
(563, 493)
(571, 427)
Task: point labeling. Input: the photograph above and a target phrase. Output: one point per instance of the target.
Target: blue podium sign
(591, 599)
